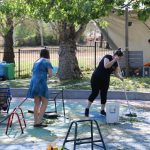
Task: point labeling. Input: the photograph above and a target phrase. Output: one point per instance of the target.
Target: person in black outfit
(101, 77)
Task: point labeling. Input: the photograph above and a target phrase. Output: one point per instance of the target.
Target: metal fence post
(95, 56)
(19, 63)
(126, 41)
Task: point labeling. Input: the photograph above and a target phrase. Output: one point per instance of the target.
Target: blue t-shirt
(38, 85)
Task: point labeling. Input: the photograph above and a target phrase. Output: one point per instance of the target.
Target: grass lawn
(140, 84)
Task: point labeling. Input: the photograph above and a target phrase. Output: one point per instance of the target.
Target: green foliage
(132, 84)
(119, 3)
(103, 24)
(82, 39)
(27, 34)
(142, 8)
(70, 11)
(34, 40)
(120, 12)
(79, 12)
(13, 9)
(144, 14)
(28, 41)
(50, 40)
(23, 31)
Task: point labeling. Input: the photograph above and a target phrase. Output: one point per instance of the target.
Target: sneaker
(103, 112)
(87, 112)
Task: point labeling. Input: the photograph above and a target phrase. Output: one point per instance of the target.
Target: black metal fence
(88, 57)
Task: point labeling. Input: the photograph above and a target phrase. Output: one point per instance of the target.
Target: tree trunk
(40, 30)
(8, 42)
(68, 64)
(101, 41)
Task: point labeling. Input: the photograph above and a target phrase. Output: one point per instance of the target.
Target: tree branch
(80, 31)
(2, 29)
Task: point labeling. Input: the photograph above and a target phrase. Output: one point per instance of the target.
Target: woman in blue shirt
(38, 88)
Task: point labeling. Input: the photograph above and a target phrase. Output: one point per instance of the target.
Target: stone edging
(83, 94)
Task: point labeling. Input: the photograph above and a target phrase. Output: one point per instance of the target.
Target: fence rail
(88, 57)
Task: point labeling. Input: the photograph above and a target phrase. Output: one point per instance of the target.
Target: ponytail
(119, 52)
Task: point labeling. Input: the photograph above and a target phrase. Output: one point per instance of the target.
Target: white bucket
(112, 112)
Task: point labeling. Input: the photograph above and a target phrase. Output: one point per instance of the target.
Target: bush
(28, 41)
(50, 40)
(82, 40)
(35, 41)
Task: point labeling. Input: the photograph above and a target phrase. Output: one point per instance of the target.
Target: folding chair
(54, 113)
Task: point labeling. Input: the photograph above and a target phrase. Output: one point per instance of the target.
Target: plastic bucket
(54, 70)
(112, 112)
(10, 71)
(3, 69)
(7, 70)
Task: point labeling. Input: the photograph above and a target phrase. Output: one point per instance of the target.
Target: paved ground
(127, 134)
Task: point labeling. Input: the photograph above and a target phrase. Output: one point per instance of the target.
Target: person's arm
(49, 67)
(108, 64)
(118, 74)
(50, 72)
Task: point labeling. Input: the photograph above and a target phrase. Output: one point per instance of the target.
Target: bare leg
(87, 108)
(37, 103)
(102, 107)
(42, 109)
(89, 104)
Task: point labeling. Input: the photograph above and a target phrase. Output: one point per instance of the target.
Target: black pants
(99, 86)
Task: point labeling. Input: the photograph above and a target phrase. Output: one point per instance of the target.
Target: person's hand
(116, 58)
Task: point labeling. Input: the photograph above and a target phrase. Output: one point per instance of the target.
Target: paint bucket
(112, 112)
(7, 70)
(54, 71)
(3, 69)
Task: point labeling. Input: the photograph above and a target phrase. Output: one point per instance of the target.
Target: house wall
(138, 34)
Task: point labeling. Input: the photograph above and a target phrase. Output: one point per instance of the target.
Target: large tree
(71, 18)
(10, 10)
